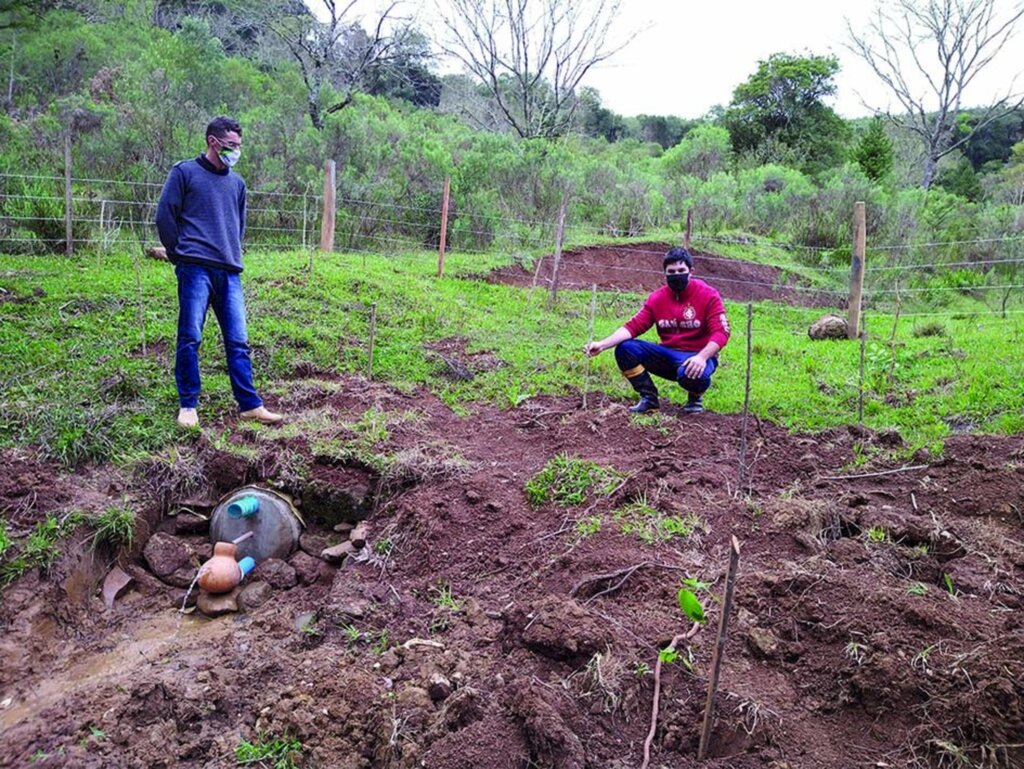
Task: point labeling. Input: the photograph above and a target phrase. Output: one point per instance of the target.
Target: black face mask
(677, 282)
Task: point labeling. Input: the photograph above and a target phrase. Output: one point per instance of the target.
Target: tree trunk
(315, 116)
(929, 171)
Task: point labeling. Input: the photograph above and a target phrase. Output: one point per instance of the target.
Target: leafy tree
(960, 179)
(597, 120)
(779, 113)
(666, 130)
(992, 141)
(704, 151)
(874, 152)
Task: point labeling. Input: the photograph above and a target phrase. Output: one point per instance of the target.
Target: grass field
(74, 381)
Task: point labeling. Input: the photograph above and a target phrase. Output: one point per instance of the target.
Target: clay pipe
(222, 572)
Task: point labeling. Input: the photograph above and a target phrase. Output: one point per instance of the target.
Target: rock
(115, 583)
(563, 630)
(165, 554)
(359, 535)
(344, 610)
(473, 497)
(157, 252)
(337, 494)
(308, 569)
(216, 604)
(390, 660)
(278, 574)
(315, 542)
(337, 554)
(828, 327)
(440, 687)
(254, 595)
(762, 642)
(344, 528)
(191, 523)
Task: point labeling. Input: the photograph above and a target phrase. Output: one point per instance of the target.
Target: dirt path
(877, 618)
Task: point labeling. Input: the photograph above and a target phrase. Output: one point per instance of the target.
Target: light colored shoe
(262, 415)
(188, 418)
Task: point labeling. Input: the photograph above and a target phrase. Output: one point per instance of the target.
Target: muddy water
(165, 634)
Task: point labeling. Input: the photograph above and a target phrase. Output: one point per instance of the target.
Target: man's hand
(694, 366)
(590, 349)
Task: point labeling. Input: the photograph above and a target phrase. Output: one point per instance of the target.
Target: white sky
(689, 56)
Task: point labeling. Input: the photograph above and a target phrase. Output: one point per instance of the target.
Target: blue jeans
(634, 356)
(200, 287)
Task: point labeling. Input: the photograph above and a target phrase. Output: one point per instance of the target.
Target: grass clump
(265, 751)
(115, 528)
(652, 526)
(567, 481)
(39, 551)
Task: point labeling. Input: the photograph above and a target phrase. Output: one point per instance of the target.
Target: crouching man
(692, 327)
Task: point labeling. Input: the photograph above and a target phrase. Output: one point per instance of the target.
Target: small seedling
(443, 598)
(587, 527)
(275, 753)
(877, 535)
(917, 588)
(383, 547)
(98, 733)
(568, 481)
(920, 660)
(856, 652)
(353, 634)
(641, 669)
(668, 655)
(310, 627)
(691, 606)
(948, 582)
(383, 643)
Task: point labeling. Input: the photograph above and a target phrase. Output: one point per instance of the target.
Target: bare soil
(877, 618)
(638, 267)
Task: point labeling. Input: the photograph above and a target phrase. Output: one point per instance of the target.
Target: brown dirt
(638, 267)
(832, 660)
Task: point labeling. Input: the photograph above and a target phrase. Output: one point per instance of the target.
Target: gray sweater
(201, 215)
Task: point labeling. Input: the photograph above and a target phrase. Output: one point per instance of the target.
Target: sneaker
(188, 418)
(262, 415)
(646, 403)
(693, 405)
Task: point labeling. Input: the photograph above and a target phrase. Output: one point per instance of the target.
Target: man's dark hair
(677, 255)
(221, 125)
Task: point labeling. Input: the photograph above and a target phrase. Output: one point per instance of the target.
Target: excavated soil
(638, 267)
(876, 622)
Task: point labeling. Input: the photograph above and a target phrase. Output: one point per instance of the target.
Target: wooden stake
(140, 312)
(590, 338)
(327, 223)
(746, 405)
(689, 229)
(373, 333)
(444, 225)
(716, 660)
(860, 387)
(856, 270)
(69, 245)
(305, 217)
(559, 233)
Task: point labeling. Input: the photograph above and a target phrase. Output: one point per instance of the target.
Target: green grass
(73, 380)
(568, 481)
(115, 528)
(268, 752)
(652, 526)
(39, 550)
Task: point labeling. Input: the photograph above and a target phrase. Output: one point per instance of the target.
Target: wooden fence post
(305, 217)
(69, 245)
(444, 225)
(373, 333)
(856, 271)
(746, 406)
(327, 225)
(559, 233)
(689, 229)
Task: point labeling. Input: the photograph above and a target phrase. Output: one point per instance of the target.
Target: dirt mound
(877, 621)
(638, 267)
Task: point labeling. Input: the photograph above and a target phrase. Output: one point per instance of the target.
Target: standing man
(201, 221)
(692, 327)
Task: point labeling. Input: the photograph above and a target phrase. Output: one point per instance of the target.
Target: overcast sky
(689, 56)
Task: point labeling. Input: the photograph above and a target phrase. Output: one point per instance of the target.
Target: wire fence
(911, 276)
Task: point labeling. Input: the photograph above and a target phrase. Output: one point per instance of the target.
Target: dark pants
(636, 358)
(201, 287)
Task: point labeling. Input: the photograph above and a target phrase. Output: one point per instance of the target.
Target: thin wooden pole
(327, 223)
(305, 218)
(559, 233)
(590, 338)
(69, 244)
(444, 225)
(856, 270)
(140, 312)
(689, 229)
(716, 660)
(860, 387)
(746, 405)
(373, 333)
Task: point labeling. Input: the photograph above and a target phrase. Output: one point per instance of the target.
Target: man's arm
(618, 336)
(169, 208)
(241, 215)
(717, 325)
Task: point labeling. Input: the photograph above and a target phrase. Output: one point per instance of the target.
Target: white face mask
(230, 157)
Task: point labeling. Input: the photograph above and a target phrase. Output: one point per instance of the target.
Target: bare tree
(965, 36)
(337, 51)
(531, 54)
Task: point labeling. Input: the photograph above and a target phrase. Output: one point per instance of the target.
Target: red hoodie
(698, 317)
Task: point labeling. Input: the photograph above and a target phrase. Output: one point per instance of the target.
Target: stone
(165, 554)
(346, 609)
(315, 542)
(275, 572)
(338, 553)
(116, 582)
(359, 534)
(762, 642)
(828, 327)
(439, 688)
(191, 523)
(472, 496)
(157, 252)
(254, 595)
(216, 604)
(344, 528)
(308, 569)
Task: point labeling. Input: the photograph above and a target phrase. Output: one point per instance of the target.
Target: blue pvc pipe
(244, 507)
(247, 564)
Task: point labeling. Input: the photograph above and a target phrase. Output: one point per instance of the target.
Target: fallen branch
(624, 573)
(657, 692)
(872, 475)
